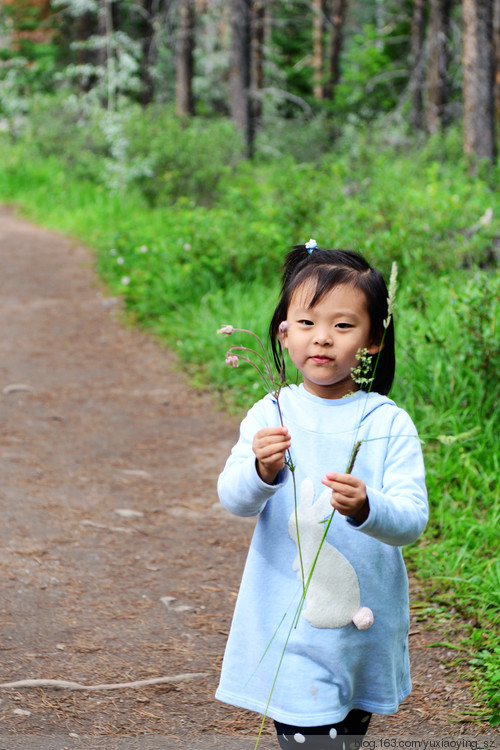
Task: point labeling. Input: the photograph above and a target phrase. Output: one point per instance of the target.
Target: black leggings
(342, 736)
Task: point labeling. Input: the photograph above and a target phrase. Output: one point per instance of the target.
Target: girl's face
(323, 340)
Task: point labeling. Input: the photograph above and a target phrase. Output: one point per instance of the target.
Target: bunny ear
(322, 508)
(324, 499)
(306, 492)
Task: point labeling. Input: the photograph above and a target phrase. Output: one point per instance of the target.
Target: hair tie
(311, 245)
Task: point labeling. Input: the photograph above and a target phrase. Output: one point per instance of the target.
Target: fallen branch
(94, 525)
(17, 387)
(484, 221)
(67, 685)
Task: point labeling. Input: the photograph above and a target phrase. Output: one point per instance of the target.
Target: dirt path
(117, 562)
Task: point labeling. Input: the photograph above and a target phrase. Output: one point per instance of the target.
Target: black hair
(327, 269)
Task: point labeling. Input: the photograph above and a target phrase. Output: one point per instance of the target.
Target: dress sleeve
(241, 490)
(399, 510)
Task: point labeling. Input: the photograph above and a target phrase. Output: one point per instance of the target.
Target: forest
(189, 143)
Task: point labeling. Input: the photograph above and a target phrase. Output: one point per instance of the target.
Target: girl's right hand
(270, 445)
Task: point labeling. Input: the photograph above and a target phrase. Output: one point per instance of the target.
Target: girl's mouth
(321, 360)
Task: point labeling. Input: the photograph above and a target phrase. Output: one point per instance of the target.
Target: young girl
(321, 668)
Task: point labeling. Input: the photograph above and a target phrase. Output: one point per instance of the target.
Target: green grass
(187, 265)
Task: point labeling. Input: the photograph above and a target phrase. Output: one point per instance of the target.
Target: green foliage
(290, 65)
(374, 73)
(446, 379)
(20, 83)
(139, 63)
(184, 269)
(147, 151)
(60, 127)
(184, 159)
(484, 665)
(304, 138)
(212, 60)
(30, 65)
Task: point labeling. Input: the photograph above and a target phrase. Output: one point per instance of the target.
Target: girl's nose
(323, 336)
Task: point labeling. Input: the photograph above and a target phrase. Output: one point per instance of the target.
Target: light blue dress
(345, 644)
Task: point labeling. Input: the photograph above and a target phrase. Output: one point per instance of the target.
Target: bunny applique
(333, 596)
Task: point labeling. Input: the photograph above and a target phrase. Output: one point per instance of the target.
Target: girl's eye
(306, 322)
(344, 325)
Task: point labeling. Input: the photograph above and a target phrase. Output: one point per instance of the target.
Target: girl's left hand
(348, 495)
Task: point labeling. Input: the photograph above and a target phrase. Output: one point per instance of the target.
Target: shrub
(185, 160)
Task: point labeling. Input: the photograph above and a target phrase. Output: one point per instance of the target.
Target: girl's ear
(283, 334)
(375, 348)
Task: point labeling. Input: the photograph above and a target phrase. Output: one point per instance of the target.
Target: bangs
(314, 282)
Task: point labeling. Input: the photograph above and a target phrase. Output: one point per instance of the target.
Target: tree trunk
(478, 67)
(184, 104)
(240, 70)
(318, 32)
(106, 58)
(85, 28)
(86, 56)
(380, 14)
(496, 48)
(338, 14)
(257, 61)
(417, 65)
(437, 65)
(144, 30)
(102, 31)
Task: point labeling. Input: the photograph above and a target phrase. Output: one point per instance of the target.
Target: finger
(342, 478)
(346, 484)
(270, 431)
(273, 465)
(340, 490)
(274, 438)
(272, 444)
(345, 493)
(272, 457)
(343, 503)
(275, 458)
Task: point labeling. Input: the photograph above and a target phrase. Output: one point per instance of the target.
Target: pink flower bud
(283, 326)
(232, 360)
(226, 330)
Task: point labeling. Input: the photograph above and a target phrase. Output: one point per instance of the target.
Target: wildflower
(112, 251)
(362, 373)
(143, 249)
(125, 280)
(311, 245)
(120, 261)
(226, 330)
(392, 294)
(260, 361)
(187, 246)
